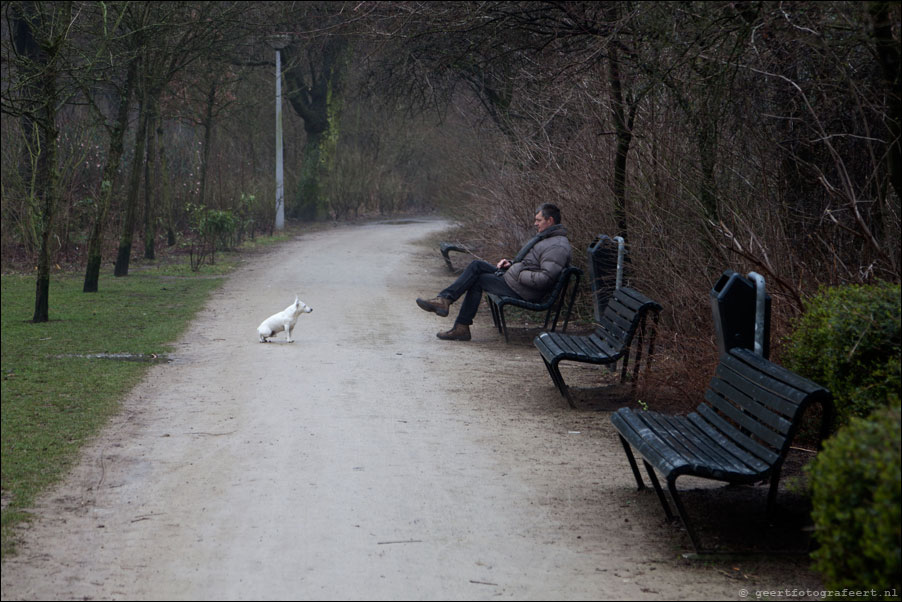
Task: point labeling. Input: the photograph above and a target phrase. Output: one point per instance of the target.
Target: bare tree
(106, 28)
(41, 38)
(172, 37)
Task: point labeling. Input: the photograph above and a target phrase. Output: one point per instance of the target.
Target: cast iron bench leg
(556, 377)
(495, 318)
(503, 323)
(657, 485)
(772, 491)
(671, 485)
(632, 460)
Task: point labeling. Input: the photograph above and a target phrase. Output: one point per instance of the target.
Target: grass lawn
(63, 379)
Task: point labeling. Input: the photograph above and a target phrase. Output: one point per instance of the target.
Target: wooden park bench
(740, 434)
(623, 317)
(553, 302)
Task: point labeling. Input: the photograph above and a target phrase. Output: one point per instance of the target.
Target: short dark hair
(550, 210)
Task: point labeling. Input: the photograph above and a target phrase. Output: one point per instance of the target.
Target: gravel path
(367, 460)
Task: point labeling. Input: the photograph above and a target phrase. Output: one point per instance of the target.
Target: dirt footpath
(367, 460)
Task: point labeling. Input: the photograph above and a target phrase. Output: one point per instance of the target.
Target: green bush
(857, 505)
(213, 229)
(848, 340)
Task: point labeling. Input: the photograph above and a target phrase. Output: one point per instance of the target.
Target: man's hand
(503, 264)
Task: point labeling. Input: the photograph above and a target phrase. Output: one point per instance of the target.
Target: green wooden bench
(740, 434)
(554, 302)
(623, 317)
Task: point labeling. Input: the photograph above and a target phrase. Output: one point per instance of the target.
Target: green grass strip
(56, 392)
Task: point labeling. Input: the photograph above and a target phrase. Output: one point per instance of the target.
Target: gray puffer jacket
(534, 276)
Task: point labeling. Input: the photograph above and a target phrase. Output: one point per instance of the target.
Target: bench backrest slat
(776, 395)
(749, 398)
(729, 408)
(736, 436)
(757, 403)
(621, 318)
(605, 345)
(630, 298)
(751, 460)
(617, 327)
(562, 279)
(635, 299)
(620, 305)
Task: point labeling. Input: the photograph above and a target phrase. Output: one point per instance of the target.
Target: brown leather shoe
(439, 305)
(460, 332)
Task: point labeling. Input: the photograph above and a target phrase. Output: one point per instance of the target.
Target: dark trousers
(479, 277)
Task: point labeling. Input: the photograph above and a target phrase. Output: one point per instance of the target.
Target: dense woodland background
(757, 136)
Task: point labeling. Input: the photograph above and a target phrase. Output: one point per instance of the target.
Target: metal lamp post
(278, 43)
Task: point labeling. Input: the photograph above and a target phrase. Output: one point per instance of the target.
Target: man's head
(547, 215)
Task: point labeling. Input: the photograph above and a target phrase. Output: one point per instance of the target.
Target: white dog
(284, 320)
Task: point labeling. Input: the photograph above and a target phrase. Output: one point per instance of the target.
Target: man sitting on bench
(529, 276)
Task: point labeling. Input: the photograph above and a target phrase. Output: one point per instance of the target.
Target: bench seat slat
(702, 453)
(606, 345)
(635, 430)
(547, 345)
(585, 349)
(552, 346)
(656, 445)
(569, 346)
(586, 346)
(573, 349)
(718, 449)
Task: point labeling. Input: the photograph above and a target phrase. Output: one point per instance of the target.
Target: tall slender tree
(173, 37)
(115, 150)
(41, 38)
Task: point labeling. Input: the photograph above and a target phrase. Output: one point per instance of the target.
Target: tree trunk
(131, 202)
(167, 197)
(318, 104)
(151, 184)
(208, 135)
(48, 175)
(309, 205)
(624, 134)
(707, 138)
(890, 60)
(107, 185)
(39, 50)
